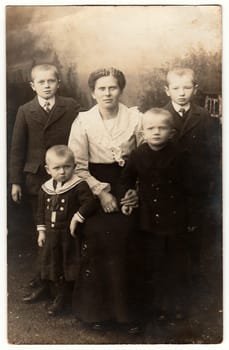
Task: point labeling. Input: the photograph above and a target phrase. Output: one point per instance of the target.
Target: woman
(101, 139)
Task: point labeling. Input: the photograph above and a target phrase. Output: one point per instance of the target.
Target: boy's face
(45, 83)
(157, 130)
(181, 88)
(61, 168)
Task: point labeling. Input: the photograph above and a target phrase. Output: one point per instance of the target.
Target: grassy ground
(29, 324)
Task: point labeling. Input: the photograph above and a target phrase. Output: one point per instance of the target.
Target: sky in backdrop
(131, 38)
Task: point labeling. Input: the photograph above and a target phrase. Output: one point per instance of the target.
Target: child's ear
(195, 89)
(172, 133)
(167, 90)
(32, 85)
(47, 169)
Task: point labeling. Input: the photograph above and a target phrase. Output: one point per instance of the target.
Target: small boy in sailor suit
(65, 201)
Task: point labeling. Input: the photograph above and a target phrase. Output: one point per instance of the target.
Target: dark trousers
(166, 272)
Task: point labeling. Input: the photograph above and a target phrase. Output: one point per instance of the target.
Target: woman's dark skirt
(101, 292)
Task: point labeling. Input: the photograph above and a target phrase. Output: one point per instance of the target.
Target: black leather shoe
(98, 326)
(36, 295)
(57, 306)
(134, 329)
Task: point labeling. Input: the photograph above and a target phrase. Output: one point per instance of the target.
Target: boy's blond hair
(155, 111)
(59, 151)
(44, 67)
(181, 72)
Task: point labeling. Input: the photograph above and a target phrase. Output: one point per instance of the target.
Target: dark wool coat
(200, 134)
(60, 254)
(166, 188)
(34, 132)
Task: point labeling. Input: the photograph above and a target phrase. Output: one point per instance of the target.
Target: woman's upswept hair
(104, 72)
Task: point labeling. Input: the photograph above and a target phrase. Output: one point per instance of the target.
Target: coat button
(155, 200)
(172, 196)
(52, 225)
(48, 199)
(61, 208)
(84, 249)
(174, 212)
(193, 136)
(157, 188)
(157, 215)
(62, 200)
(47, 207)
(87, 273)
(107, 232)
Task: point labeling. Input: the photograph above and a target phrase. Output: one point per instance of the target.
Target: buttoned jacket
(200, 134)
(167, 188)
(74, 197)
(35, 131)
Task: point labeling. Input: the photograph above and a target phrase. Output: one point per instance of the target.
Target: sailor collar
(48, 186)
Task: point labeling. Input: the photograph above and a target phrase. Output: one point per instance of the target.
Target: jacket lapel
(57, 113)
(193, 118)
(36, 112)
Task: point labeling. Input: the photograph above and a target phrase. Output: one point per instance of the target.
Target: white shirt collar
(178, 107)
(42, 101)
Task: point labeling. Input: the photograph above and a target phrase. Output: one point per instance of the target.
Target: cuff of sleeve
(101, 187)
(41, 228)
(78, 217)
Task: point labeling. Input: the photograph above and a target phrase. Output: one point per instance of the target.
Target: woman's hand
(130, 199)
(108, 202)
(41, 238)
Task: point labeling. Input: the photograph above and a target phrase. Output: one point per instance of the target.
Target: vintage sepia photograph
(114, 174)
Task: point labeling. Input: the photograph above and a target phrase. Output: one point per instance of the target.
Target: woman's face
(107, 92)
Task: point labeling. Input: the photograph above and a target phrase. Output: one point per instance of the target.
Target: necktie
(47, 106)
(181, 112)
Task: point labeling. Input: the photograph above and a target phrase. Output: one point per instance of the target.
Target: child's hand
(41, 238)
(16, 193)
(130, 199)
(73, 226)
(126, 210)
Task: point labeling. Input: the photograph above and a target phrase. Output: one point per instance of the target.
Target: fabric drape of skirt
(101, 291)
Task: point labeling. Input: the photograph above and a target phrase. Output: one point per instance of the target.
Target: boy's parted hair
(104, 72)
(59, 151)
(44, 67)
(156, 111)
(180, 71)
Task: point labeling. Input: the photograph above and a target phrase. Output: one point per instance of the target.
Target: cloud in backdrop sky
(135, 39)
(123, 36)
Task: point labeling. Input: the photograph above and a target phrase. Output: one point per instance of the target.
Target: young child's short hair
(104, 72)
(59, 151)
(160, 111)
(44, 67)
(180, 72)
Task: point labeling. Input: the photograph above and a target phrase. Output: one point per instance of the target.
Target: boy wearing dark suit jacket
(200, 134)
(41, 123)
